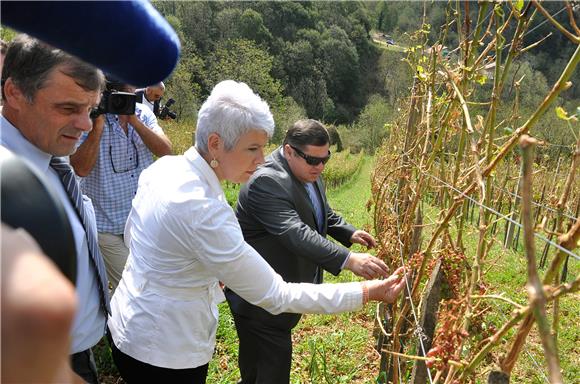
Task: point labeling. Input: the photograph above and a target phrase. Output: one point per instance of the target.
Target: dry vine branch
(575, 39)
(535, 287)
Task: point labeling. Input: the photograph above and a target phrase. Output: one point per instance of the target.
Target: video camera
(165, 112)
(115, 102)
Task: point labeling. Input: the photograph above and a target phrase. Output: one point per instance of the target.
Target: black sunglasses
(311, 160)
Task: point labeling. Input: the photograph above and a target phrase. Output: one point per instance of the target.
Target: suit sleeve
(338, 228)
(273, 207)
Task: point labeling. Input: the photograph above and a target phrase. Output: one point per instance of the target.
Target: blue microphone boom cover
(129, 40)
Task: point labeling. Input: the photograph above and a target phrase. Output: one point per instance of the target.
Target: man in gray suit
(284, 215)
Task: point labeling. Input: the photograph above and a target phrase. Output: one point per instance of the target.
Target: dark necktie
(67, 176)
(311, 189)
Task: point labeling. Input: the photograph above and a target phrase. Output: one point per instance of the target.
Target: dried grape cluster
(454, 265)
(449, 335)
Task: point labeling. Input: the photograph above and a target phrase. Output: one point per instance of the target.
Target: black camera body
(115, 102)
(165, 112)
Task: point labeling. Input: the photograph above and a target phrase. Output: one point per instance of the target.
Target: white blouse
(183, 239)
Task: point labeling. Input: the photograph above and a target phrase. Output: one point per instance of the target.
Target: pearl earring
(214, 163)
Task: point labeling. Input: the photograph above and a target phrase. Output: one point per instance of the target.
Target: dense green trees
(311, 52)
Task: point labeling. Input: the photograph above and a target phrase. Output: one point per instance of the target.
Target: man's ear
(13, 96)
(287, 149)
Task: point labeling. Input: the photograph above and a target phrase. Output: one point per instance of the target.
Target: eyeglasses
(127, 168)
(311, 160)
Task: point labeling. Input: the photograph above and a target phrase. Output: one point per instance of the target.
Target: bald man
(151, 96)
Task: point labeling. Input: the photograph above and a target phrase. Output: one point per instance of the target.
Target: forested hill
(317, 58)
(318, 53)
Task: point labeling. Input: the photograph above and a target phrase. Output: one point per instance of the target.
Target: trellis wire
(539, 25)
(565, 214)
(539, 236)
(401, 374)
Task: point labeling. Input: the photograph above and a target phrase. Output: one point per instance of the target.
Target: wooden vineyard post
(417, 230)
(427, 322)
(509, 238)
(498, 377)
(544, 257)
(494, 226)
(383, 341)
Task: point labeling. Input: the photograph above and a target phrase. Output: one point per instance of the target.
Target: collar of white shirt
(11, 138)
(193, 155)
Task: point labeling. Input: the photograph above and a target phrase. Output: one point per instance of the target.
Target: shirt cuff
(345, 261)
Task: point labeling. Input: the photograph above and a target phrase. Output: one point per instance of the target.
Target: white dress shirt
(144, 100)
(184, 238)
(89, 321)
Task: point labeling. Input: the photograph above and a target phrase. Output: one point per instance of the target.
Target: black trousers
(265, 352)
(83, 364)
(135, 371)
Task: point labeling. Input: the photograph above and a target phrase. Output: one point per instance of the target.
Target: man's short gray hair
(231, 110)
(29, 62)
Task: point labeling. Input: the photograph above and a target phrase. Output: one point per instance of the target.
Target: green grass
(180, 134)
(343, 167)
(349, 199)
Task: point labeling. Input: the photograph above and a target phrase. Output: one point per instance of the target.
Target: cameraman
(151, 96)
(110, 159)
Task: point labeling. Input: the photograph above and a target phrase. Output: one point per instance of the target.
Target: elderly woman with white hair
(184, 239)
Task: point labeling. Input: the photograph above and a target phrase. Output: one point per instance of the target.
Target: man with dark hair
(48, 95)
(151, 96)
(284, 215)
(110, 160)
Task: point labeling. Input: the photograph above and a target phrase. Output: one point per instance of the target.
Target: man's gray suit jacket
(277, 219)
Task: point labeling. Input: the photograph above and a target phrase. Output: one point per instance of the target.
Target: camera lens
(119, 103)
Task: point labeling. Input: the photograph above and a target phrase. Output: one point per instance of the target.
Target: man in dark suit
(284, 215)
